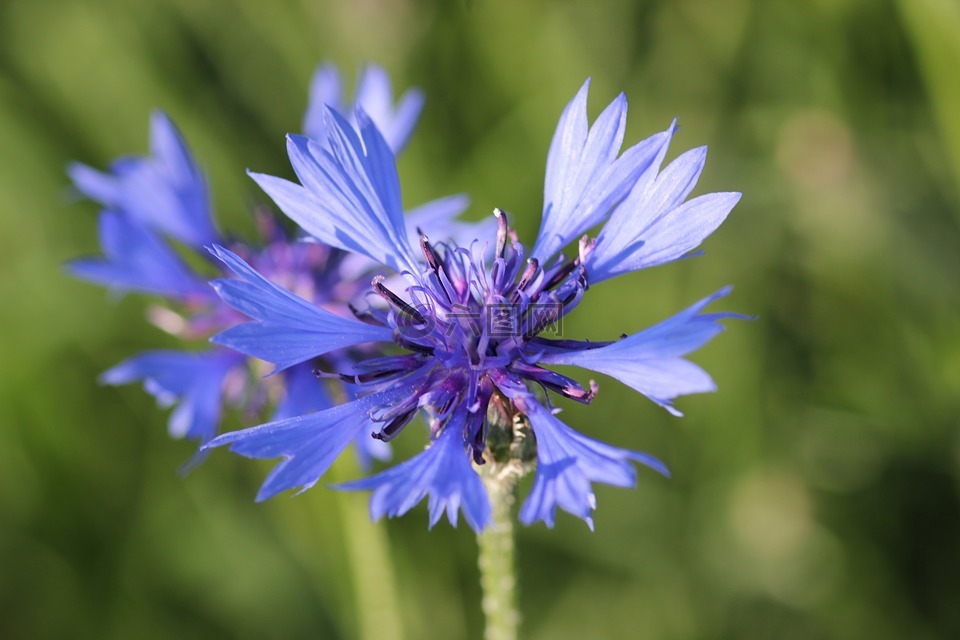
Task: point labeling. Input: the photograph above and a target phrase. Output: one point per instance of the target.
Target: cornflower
(467, 324)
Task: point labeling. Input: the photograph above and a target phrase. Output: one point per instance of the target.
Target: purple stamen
(395, 426)
(502, 230)
(428, 253)
(398, 302)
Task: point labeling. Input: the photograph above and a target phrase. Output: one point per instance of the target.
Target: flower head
(470, 319)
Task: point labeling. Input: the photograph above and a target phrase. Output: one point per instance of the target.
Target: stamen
(369, 376)
(502, 230)
(574, 392)
(396, 300)
(532, 265)
(586, 246)
(562, 273)
(580, 395)
(578, 345)
(429, 253)
(478, 445)
(471, 346)
(394, 427)
(364, 316)
(412, 346)
(556, 382)
(477, 421)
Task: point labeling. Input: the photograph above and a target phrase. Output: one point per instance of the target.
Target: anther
(369, 376)
(396, 300)
(586, 246)
(363, 316)
(428, 253)
(502, 231)
(532, 265)
(561, 274)
(394, 427)
(411, 345)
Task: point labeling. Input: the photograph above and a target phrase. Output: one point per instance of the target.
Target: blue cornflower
(468, 324)
(152, 202)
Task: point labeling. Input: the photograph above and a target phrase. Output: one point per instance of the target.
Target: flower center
(468, 321)
(479, 314)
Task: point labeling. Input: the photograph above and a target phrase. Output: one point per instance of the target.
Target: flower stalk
(498, 564)
(510, 453)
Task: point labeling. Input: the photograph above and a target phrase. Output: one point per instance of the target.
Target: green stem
(497, 564)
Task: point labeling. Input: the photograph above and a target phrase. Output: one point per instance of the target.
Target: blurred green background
(814, 496)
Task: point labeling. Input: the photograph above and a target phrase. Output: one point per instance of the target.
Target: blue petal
(651, 361)
(433, 217)
(165, 191)
(326, 90)
(380, 168)
(653, 226)
(192, 382)
(443, 472)
(366, 447)
(290, 329)
(136, 260)
(350, 197)
(585, 179)
(568, 462)
(374, 96)
(309, 444)
(298, 203)
(369, 449)
(437, 220)
(97, 185)
(179, 202)
(303, 393)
